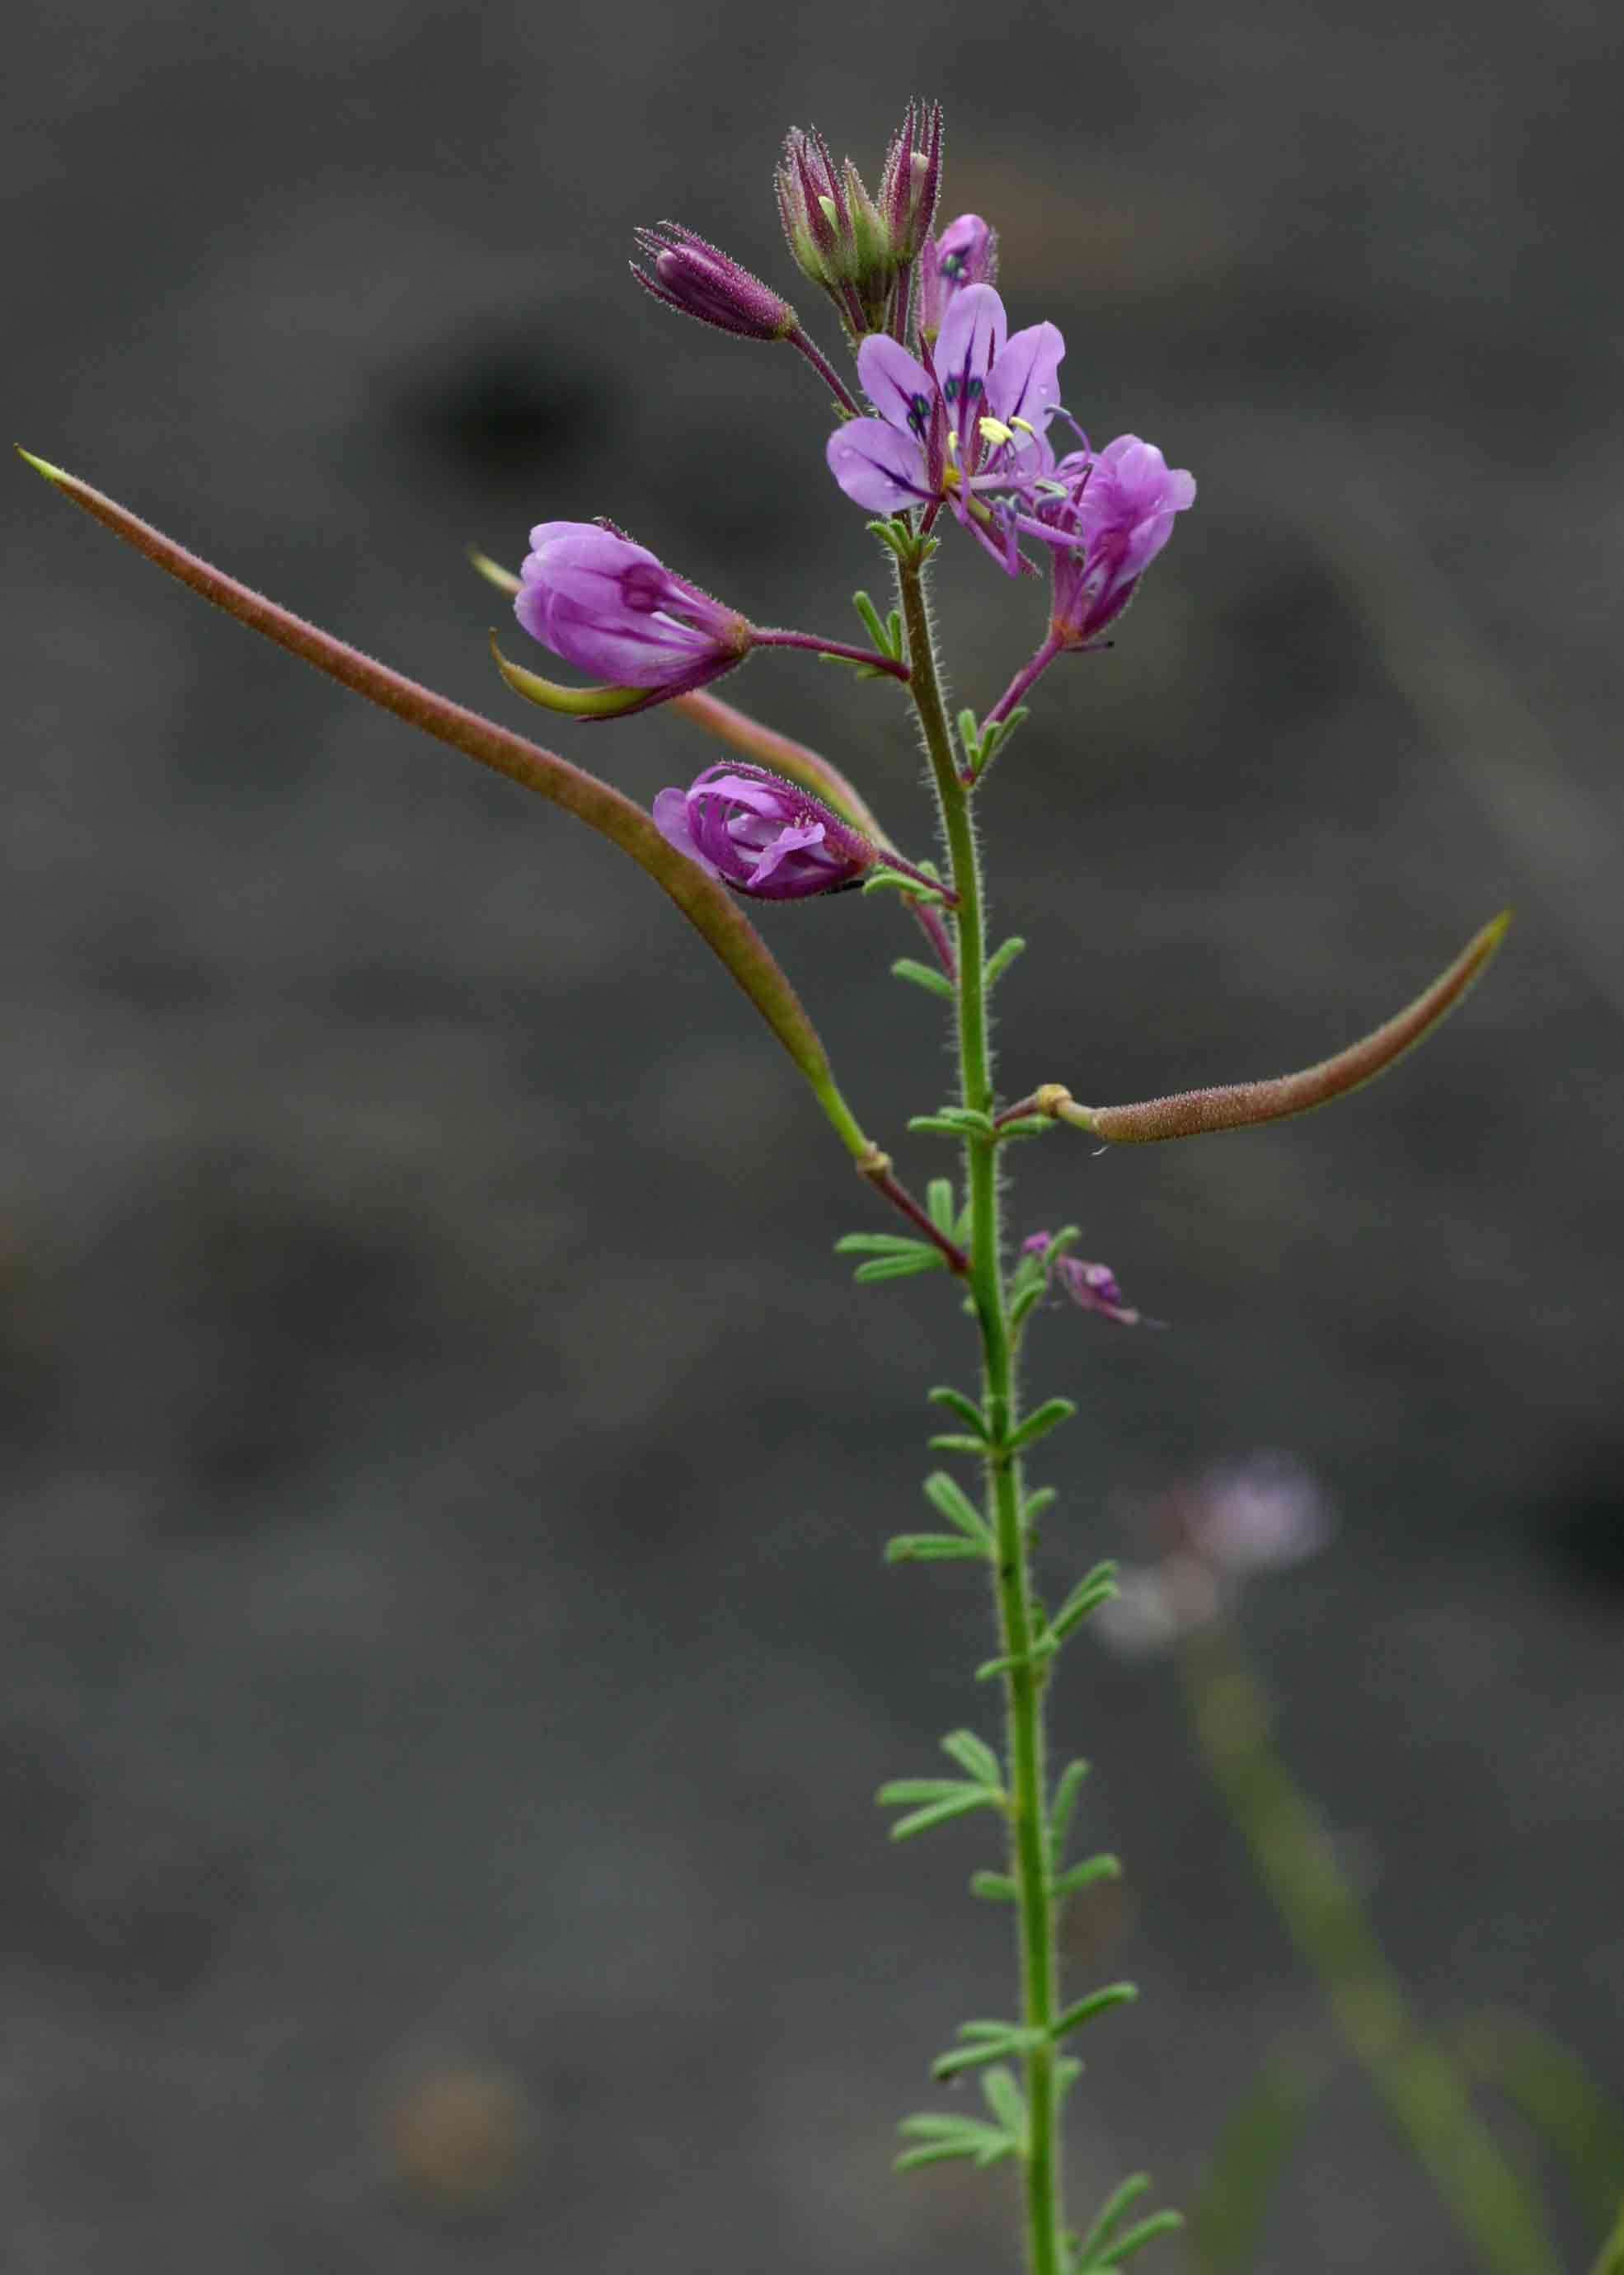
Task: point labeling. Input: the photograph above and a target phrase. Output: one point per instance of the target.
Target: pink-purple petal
(877, 466)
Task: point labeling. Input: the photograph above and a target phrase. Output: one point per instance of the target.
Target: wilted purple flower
(1091, 1287)
(699, 280)
(966, 253)
(1105, 527)
(762, 835)
(972, 425)
(609, 607)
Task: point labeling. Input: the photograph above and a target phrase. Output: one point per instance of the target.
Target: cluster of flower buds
(1216, 1531)
(860, 250)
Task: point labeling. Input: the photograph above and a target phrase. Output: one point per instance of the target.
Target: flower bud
(612, 609)
(701, 281)
(966, 253)
(911, 181)
(835, 232)
(763, 836)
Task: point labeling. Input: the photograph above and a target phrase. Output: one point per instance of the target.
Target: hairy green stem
(1029, 1857)
(1423, 2092)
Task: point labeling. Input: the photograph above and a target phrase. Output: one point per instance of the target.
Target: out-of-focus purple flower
(966, 253)
(1106, 524)
(762, 835)
(699, 280)
(911, 181)
(1091, 1287)
(612, 609)
(1263, 1513)
(971, 426)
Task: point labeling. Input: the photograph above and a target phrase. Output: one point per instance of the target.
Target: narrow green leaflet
(943, 2138)
(948, 1499)
(1061, 1808)
(899, 1266)
(1003, 2097)
(985, 2041)
(1098, 2002)
(974, 1755)
(943, 1799)
(939, 1205)
(1040, 1421)
(999, 960)
(934, 983)
(1095, 1588)
(993, 1887)
(1072, 1883)
(931, 1548)
(879, 1244)
(958, 1402)
(1107, 2242)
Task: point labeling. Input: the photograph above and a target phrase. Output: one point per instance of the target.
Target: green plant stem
(1017, 1619)
(1423, 2091)
(1610, 2261)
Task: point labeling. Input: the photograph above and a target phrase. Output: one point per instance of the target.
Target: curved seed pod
(1242, 1105)
(708, 905)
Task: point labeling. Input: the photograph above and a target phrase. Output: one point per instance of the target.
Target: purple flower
(971, 425)
(609, 607)
(1109, 523)
(699, 280)
(1091, 1287)
(1262, 1514)
(966, 253)
(762, 835)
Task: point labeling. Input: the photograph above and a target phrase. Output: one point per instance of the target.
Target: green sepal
(993, 1887)
(572, 702)
(960, 1402)
(1098, 2002)
(1040, 1421)
(922, 975)
(1078, 1877)
(897, 880)
(999, 960)
(930, 1548)
(948, 1499)
(494, 573)
(899, 1266)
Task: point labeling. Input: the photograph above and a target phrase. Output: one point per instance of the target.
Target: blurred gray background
(447, 1659)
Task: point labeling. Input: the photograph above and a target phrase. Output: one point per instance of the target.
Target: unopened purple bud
(966, 253)
(911, 180)
(1116, 514)
(698, 279)
(835, 232)
(615, 611)
(765, 837)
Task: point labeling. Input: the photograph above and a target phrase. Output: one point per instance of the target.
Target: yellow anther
(1025, 426)
(952, 442)
(993, 430)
